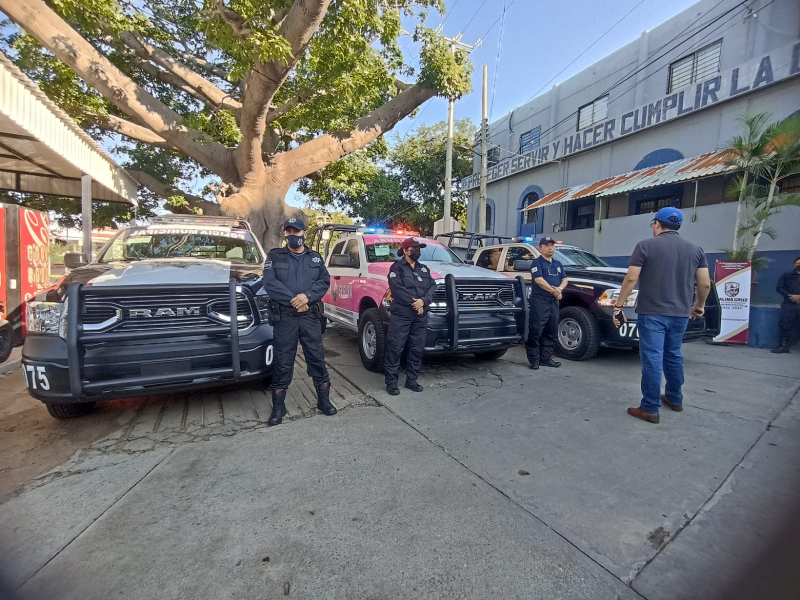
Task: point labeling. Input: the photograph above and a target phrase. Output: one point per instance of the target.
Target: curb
(10, 366)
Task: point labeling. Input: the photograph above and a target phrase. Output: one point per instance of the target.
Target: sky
(527, 50)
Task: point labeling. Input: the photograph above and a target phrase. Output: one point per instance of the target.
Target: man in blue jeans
(666, 267)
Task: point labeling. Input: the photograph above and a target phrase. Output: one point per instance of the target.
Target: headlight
(610, 297)
(262, 304)
(46, 317)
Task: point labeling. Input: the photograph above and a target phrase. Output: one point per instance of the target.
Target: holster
(278, 311)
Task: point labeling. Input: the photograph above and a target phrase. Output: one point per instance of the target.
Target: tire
(492, 355)
(371, 340)
(70, 411)
(578, 333)
(6, 341)
(323, 322)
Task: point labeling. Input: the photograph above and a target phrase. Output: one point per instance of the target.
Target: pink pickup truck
(473, 310)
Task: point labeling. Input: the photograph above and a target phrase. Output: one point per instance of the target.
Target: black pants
(543, 331)
(286, 332)
(789, 321)
(403, 327)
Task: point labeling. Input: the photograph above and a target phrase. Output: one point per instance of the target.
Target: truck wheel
(578, 333)
(70, 411)
(493, 355)
(371, 340)
(6, 341)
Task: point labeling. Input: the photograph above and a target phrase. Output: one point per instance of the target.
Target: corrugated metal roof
(687, 169)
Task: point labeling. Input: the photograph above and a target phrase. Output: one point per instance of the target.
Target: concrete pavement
(494, 482)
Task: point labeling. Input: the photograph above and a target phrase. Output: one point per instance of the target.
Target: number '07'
(35, 377)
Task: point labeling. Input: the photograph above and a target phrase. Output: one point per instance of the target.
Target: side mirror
(341, 260)
(469, 262)
(73, 260)
(523, 265)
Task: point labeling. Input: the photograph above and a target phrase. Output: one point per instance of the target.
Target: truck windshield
(573, 257)
(141, 244)
(387, 252)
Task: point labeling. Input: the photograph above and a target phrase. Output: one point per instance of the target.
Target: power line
(592, 45)
(473, 16)
(449, 12)
(497, 59)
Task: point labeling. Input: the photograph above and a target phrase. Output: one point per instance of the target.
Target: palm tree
(745, 151)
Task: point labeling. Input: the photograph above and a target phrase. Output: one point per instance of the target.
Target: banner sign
(34, 255)
(755, 74)
(733, 291)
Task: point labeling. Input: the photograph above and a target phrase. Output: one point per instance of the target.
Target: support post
(484, 150)
(448, 166)
(86, 215)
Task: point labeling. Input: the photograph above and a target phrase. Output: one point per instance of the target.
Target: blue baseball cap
(670, 216)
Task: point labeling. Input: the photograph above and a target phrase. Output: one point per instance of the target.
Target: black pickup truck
(171, 306)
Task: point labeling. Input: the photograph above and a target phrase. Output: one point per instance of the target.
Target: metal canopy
(687, 169)
(43, 151)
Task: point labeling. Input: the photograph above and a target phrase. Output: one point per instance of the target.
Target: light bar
(380, 231)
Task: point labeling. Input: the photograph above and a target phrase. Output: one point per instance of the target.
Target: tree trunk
(264, 207)
(773, 184)
(737, 242)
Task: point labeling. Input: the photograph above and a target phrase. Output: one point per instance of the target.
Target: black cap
(546, 240)
(295, 222)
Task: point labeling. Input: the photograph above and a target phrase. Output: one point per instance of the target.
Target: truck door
(344, 265)
(514, 253)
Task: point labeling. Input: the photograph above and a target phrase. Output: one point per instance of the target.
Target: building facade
(583, 155)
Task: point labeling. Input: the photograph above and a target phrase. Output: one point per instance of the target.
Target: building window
(790, 185)
(695, 67)
(493, 157)
(592, 113)
(488, 217)
(532, 216)
(652, 205)
(581, 214)
(529, 140)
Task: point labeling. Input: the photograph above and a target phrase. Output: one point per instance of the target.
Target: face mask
(414, 254)
(295, 241)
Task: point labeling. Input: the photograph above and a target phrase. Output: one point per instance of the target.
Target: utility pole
(484, 150)
(455, 43)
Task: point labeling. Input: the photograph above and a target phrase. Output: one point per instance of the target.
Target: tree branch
(128, 129)
(298, 28)
(69, 47)
(208, 92)
(232, 19)
(166, 191)
(317, 154)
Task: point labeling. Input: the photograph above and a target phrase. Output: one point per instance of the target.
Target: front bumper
(142, 368)
(627, 335)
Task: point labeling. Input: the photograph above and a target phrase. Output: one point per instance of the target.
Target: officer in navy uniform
(296, 279)
(412, 290)
(549, 280)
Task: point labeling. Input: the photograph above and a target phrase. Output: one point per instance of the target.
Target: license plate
(629, 331)
(166, 368)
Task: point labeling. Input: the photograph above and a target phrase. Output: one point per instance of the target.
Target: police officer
(789, 287)
(412, 290)
(296, 280)
(549, 280)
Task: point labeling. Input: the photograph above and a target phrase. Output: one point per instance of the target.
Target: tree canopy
(401, 185)
(248, 95)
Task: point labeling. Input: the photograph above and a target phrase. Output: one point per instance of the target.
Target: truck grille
(475, 295)
(170, 310)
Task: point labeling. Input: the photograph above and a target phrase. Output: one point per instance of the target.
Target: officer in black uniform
(548, 282)
(412, 290)
(296, 280)
(789, 287)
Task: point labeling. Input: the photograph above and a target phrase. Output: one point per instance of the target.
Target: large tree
(255, 94)
(401, 185)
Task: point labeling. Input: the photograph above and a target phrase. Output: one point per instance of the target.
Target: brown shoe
(639, 413)
(675, 407)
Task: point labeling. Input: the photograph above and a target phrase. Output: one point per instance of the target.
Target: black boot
(783, 347)
(278, 407)
(324, 401)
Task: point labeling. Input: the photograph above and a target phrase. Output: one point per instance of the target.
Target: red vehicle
(24, 268)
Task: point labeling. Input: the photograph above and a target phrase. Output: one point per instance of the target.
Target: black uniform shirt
(788, 284)
(551, 271)
(406, 284)
(286, 276)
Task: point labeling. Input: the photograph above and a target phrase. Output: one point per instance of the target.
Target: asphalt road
(495, 481)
